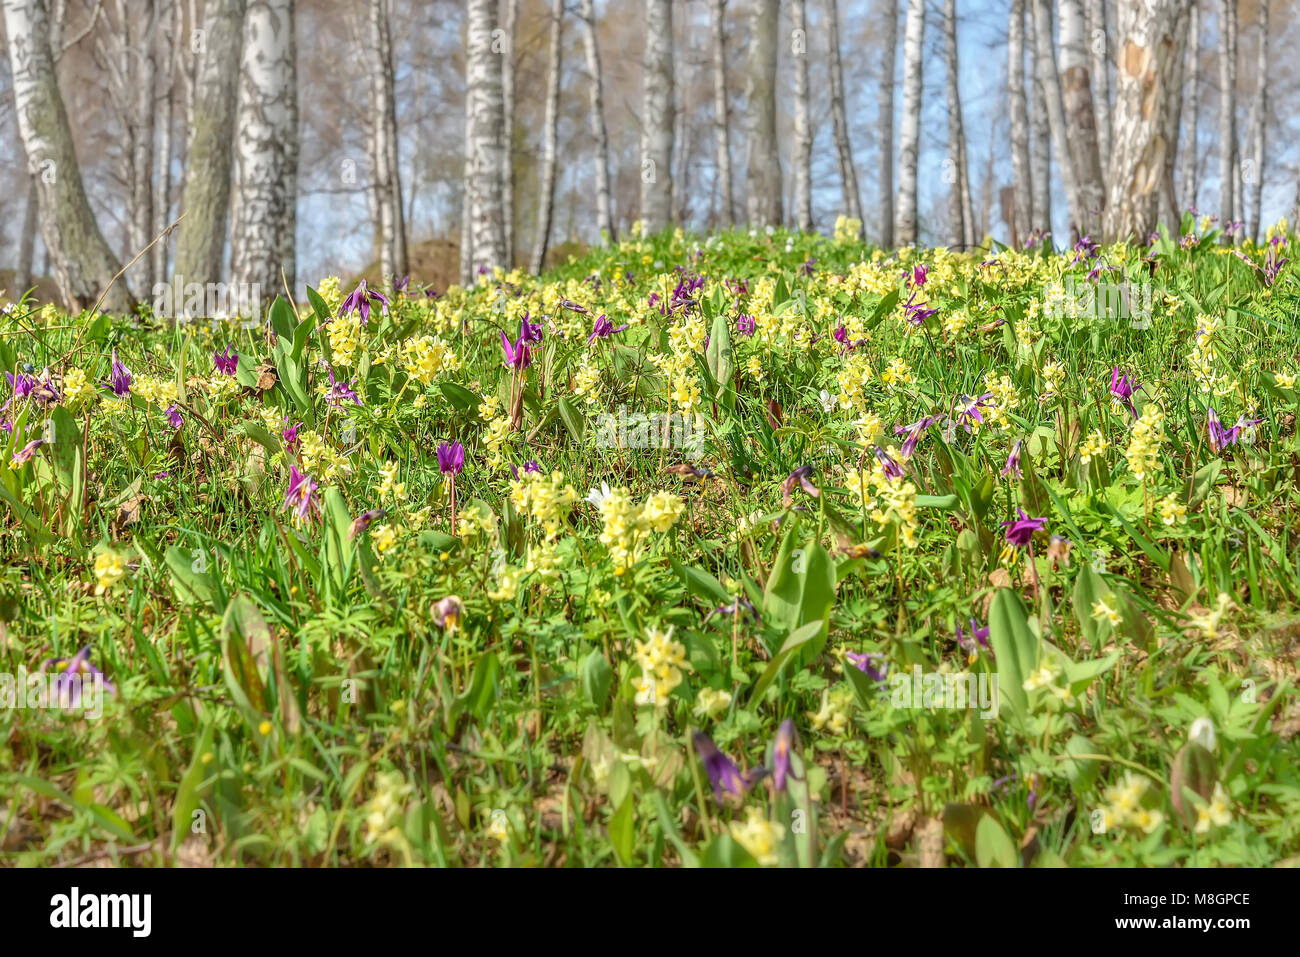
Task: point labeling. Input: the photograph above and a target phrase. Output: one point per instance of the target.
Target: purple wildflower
(863, 663)
(364, 521)
(119, 378)
(174, 417)
(451, 458)
(359, 301)
(1021, 530)
(301, 496)
(24, 455)
(226, 362)
(972, 410)
(603, 329)
(781, 747)
(977, 635)
(73, 675)
(746, 325)
(340, 392)
(1013, 461)
(517, 355)
(722, 771)
(1122, 388)
(915, 312)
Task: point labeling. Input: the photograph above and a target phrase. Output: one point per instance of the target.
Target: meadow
(758, 548)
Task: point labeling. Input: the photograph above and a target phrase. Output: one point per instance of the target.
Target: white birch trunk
(508, 74)
(885, 120)
(1022, 218)
(604, 209)
(83, 264)
(721, 125)
(839, 116)
(205, 198)
(763, 166)
(1098, 41)
(1227, 110)
(266, 133)
(1040, 137)
(1190, 152)
(1260, 113)
(803, 136)
(1045, 64)
(1081, 120)
(385, 168)
(958, 197)
(657, 119)
(484, 140)
(546, 197)
(1147, 60)
(909, 141)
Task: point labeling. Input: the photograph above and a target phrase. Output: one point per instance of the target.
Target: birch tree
(206, 195)
(1022, 220)
(1171, 116)
(484, 135)
(1187, 176)
(266, 151)
(81, 261)
(1081, 120)
(1040, 137)
(905, 226)
(839, 116)
(960, 215)
(721, 122)
(604, 213)
(170, 20)
(763, 165)
(546, 195)
(1259, 119)
(508, 73)
(385, 169)
(1046, 73)
(1227, 109)
(885, 120)
(1099, 62)
(657, 117)
(1148, 29)
(803, 136)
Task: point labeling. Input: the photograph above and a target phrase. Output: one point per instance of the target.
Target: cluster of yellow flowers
(75, 386)
(627, 526)
(1129, 805)
(887, 500)
(586, 381)
(761, 837)
(1093, 446)
(1053, 379)
(1203, 356)
(1005, 399)
(847, 229)
(156, 391)
(425, 357)
(330, 292)
(110, 568)
(836, 711)
(1143, 451)
(319, 458)
(662, 661)
(852, 379)
(345, 338)
(548, 499)
(389, 487)
(387, 807)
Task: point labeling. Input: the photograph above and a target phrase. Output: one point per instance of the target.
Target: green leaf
(572, 419)
(596, 677)
(262, 437)
(187, 792)
(993, 847)
(461, 398)
(719, 355)
(792, 646)
(1015, 648)
(622, 830)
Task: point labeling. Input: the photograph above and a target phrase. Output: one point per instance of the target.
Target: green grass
(294, 692)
